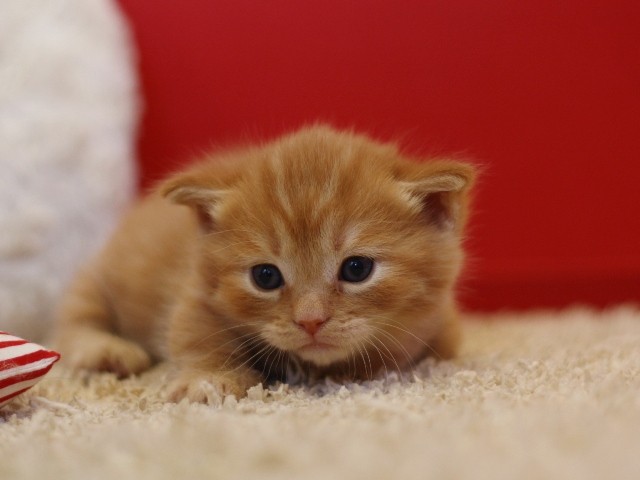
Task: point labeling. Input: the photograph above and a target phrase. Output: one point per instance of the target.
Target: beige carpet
(541, 396)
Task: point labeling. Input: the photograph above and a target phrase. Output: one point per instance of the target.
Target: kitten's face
(321, 245)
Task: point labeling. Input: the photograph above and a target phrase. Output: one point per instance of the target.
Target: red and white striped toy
(22, 365)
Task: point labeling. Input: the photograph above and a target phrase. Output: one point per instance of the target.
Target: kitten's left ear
(202, 188)
(440, 189)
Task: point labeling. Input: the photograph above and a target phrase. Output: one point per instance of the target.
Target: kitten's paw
(107, 353)
(210, 387)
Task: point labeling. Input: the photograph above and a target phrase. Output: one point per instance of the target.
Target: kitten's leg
(84, 331)
(196, 385)
(208, 357)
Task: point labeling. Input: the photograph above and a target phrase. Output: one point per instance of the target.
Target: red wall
(544, 94)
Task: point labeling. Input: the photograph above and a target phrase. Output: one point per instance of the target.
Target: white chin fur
(322, 358)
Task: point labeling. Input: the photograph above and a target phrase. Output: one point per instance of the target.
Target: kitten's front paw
(107, 353)
(203, 387)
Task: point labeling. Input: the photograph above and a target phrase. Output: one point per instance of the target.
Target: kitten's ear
(441, 190)
(201, 188)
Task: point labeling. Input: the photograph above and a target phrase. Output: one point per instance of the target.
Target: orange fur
(175, 281)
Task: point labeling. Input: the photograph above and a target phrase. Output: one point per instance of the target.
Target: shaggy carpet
(536, 396)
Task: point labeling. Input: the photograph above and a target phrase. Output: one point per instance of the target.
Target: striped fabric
(22, 365)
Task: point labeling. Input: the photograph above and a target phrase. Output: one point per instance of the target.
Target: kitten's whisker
(386, 371)
(404, 329)
(232, 245)
(268, 353)
(355, 369)
(253, 338)
(349, 358)
(270, 364)
(362, 356)
(390, 355)
(286, 361)
(235, 339)
(218, 270)
(364, 363)
(395, 341)
(369, 360)
(250, 340)
(220, 331)
(398, 344)
(279, 363)
(226, 231)
(261, 351)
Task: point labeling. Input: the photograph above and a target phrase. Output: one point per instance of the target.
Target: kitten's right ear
(440, 189)
(201, 188)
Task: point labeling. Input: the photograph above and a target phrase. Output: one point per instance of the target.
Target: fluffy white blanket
(68, 111)
(545, 395)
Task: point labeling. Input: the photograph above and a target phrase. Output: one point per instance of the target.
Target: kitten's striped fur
(175, 281)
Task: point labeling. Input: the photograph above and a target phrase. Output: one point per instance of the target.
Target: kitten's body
(176, 279)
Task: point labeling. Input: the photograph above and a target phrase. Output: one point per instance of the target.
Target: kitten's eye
(267, 276)
(356, 269)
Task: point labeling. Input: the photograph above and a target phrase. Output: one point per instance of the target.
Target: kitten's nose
(311, 325)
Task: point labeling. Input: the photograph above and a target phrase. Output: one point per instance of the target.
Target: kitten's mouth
(320, 353)
(316, 346)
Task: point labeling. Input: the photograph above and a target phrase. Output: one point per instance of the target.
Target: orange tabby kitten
(323, 249)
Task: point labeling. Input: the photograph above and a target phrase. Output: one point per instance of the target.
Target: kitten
(323, 249)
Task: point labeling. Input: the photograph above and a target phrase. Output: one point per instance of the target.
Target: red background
(544, 94)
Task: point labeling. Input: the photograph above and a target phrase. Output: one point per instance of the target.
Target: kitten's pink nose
(312, 325)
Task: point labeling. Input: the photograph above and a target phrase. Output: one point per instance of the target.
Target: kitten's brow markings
(328, 231)
(257, 221)
(282, 189)
(274, 238)
(328, 194)
(277, 237)
(350, 237)
(233, 260)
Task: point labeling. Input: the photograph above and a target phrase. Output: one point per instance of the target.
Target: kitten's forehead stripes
(307, 183)
(282, 190)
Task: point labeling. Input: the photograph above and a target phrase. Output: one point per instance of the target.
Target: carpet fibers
(537, 396)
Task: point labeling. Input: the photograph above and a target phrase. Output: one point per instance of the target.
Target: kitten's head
(324, 241)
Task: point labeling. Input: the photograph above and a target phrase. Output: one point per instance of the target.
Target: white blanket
(68, 112)
(539, 396)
